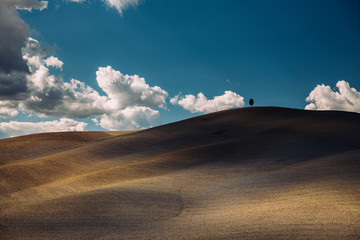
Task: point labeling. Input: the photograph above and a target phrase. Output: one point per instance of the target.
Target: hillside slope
(253, 173)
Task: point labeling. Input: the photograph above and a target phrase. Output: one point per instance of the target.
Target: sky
(96, 65)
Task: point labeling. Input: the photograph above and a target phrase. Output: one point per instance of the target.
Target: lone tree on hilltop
(251, 101)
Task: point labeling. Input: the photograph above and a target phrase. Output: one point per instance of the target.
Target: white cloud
(51, 96)
(8, 109)
(322, 97)
(126, 105)
(129, 90)
(53, 62)
(27, 84)
(32, 48)
(130, 118)
(200, 103)
(121, 5)
(14, 128)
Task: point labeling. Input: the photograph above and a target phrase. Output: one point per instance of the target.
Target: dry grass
(252, 173)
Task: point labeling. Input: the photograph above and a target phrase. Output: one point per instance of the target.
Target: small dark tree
(251, 102)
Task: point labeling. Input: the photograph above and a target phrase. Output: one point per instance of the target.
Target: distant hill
(249, 173)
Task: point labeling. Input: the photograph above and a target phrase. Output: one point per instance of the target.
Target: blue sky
(277, 52)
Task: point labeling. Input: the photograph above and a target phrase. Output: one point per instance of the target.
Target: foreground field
(251, 173)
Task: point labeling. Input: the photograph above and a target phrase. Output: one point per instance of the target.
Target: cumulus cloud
(130, 118)
(53, 62)
(200, 103)
(51, 96)
(127, 104)
(28, 85)
(14, 128)
(322, 97)
(8, 109)
(33, 48)
(129, 90)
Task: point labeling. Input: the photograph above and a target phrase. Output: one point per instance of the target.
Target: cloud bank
(200, 103)
(14, 128)
(28, 85)
(322, 97)
(127, 104)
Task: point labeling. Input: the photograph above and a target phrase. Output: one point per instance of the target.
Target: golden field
(250, 173)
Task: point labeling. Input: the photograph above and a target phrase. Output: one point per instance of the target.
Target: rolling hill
(249, 173)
